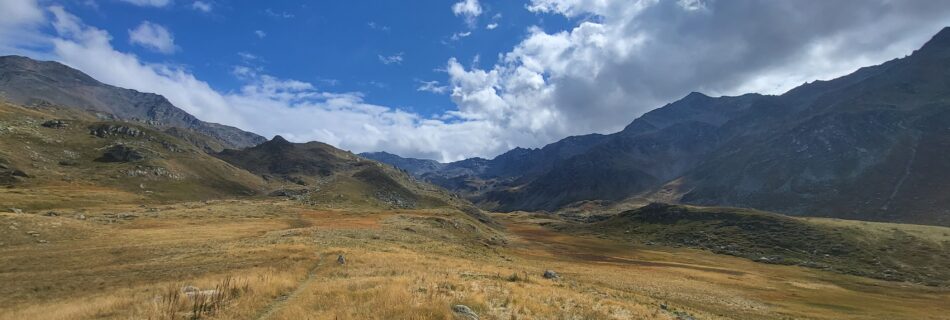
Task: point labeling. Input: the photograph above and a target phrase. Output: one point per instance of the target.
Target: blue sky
(335, 45)
(452, 79)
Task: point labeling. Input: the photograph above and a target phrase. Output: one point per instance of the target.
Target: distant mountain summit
(413, 166)
(872, 145)
(27, 81)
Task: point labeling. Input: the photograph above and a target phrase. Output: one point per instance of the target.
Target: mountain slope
(875, 148)
(26, 81)
(416, 167)
(839, 246)
(69, 153)
(871, 145)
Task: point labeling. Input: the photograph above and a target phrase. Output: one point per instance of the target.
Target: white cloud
(491, 26)
(202, 6)
(432, 86)
(260, 33)
(393, 59)
(281, 14)
(459, 35)
(469, 9)
(149, 3)
(375, 26)
(153, 36)
(20, 12)
(19, 28)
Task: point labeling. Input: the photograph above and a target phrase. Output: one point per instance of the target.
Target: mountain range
(871, 145)
(61, 128)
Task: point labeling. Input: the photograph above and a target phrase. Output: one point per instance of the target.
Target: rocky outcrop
(121, 153)
(107, 130)
(55, 124)
(10, 175)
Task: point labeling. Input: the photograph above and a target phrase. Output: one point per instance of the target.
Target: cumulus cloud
(153, 36)
(149, 3)
(469, 10)
(260, 33)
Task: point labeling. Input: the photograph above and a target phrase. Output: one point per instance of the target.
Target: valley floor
(276, 259)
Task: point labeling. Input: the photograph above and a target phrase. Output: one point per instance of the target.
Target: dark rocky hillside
(872, 145)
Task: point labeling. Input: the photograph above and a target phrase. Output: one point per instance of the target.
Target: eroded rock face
(121, 153)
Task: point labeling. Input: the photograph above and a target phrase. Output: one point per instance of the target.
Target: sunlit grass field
(277, 259)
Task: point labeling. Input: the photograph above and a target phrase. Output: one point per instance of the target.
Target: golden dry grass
(126, 261)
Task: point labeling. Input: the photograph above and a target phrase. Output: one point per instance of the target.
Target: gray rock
(464, 311)
(550, 274)
(187, 289)
(341, 260)
(106, 130)
(55, 124)
(15, 210)
(121, 153)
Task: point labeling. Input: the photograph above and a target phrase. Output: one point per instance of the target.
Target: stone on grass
(464, 311)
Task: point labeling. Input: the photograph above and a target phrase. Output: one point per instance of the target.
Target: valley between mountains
(827, 202)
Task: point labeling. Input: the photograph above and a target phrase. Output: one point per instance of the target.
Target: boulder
(55, 124)
(341, 260)
(464, 312)
(550, 274)
(10, 175)
(121, 153)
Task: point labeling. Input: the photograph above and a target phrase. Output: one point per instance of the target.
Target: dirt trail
(280, 301)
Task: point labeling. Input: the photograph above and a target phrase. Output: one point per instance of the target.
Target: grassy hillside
(60, 148)
(891, 252)
(326, 177)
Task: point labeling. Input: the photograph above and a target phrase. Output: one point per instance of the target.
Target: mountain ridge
(854, 139)
(27, 81)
